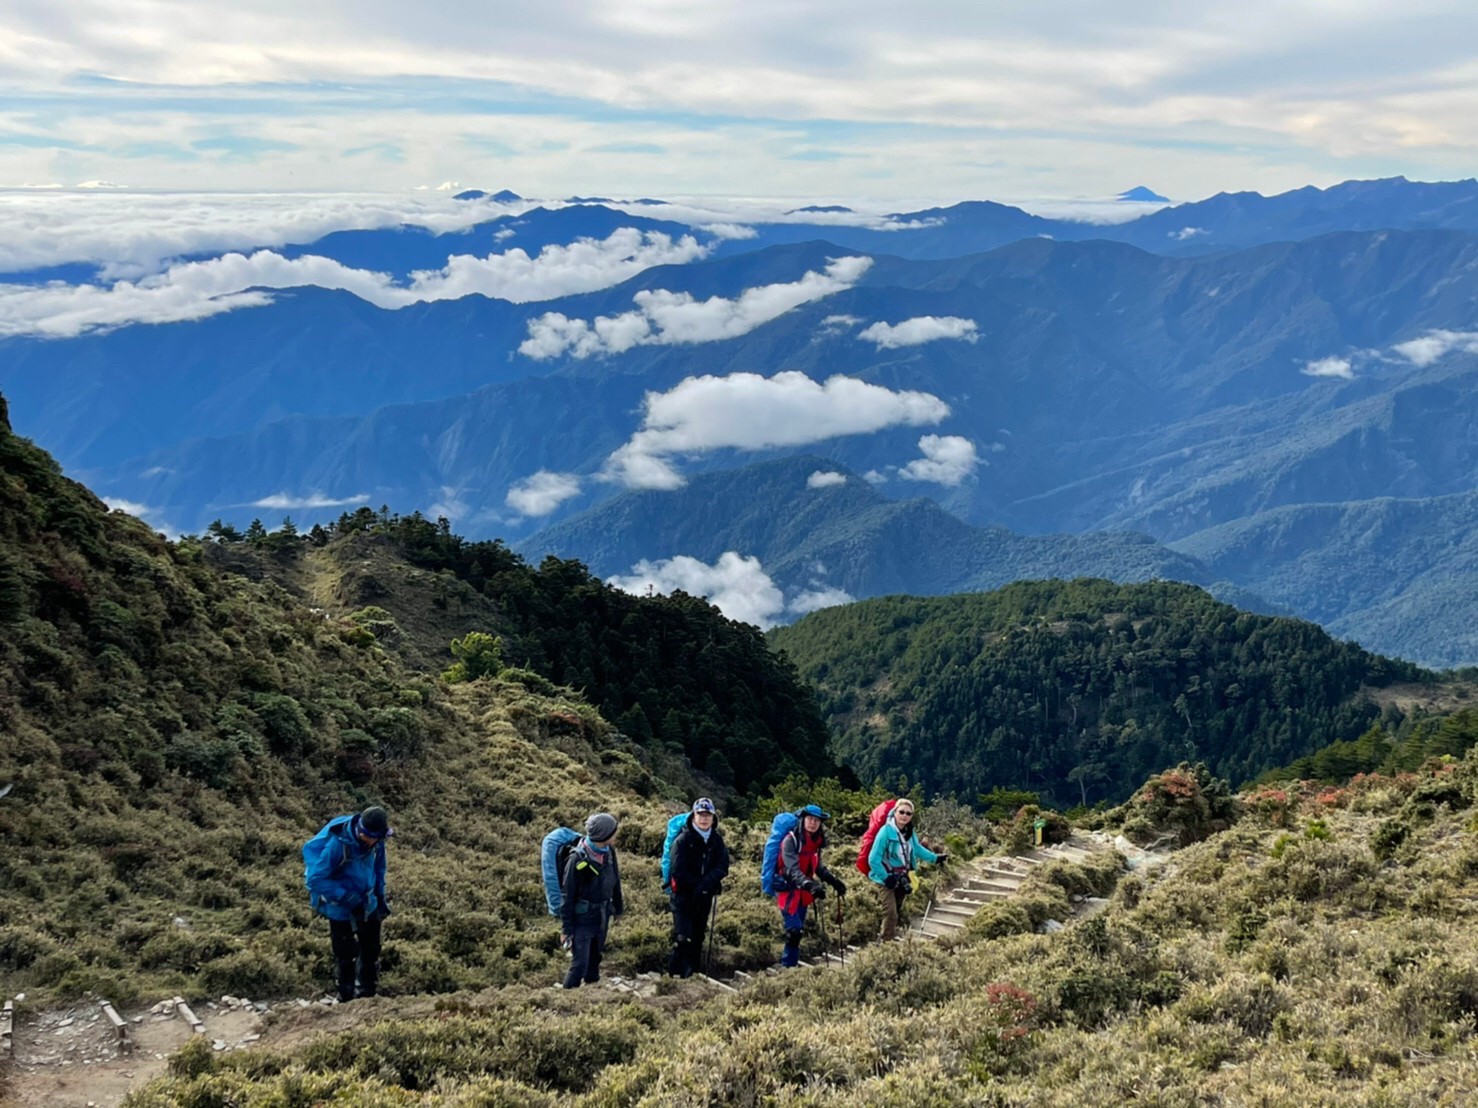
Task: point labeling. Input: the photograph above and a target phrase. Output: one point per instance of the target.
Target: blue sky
(919, 102)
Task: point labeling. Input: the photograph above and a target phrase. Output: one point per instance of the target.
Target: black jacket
(698, 866)
(590, 887)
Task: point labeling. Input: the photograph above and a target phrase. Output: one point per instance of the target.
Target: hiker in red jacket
(801, 866)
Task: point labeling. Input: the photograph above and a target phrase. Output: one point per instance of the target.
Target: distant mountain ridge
(844, 536)
(1105, 386)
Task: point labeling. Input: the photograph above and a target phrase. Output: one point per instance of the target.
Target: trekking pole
(712, 918)
(842, 930)
(821, 930)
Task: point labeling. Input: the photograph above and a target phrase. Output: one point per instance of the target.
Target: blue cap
(703, 804)
(815, 810)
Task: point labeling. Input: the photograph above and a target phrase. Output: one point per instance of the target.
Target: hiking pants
(587, 944)
(794, 923)
(356, 944)
(891, 902)
(689, 929)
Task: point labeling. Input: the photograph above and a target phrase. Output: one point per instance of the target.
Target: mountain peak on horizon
(1143, 194)
(502, 196)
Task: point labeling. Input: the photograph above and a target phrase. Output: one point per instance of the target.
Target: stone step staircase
(980, 882)
(990, 879)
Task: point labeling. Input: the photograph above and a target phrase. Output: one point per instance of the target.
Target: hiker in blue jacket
(344, 869)
(592, 896)
(700, 862)
(895, 853)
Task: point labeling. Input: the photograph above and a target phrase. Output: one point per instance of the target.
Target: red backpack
(875, 823)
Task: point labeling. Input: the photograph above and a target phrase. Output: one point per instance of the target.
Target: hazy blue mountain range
(845, 535)
(1396, 574)
(1109, 386)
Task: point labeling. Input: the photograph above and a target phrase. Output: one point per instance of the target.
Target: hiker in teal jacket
(895, 853)
(344, 869)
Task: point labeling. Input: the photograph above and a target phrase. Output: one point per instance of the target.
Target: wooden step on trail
(7, 1031)
(120, 1026)
(188, 1016)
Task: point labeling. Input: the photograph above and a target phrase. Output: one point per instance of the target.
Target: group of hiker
(344, 870)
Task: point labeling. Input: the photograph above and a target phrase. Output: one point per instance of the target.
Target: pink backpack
(875, 823)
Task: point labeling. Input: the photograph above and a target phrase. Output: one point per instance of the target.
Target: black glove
(818, 890)
(712, 888)
(941, 857)
(891, 881)
(837, 884)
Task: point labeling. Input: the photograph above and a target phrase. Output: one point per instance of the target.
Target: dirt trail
(70, 1057)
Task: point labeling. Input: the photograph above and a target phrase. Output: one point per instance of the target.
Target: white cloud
(542, 493)
(452, 504)
(132, 507)
(283, 501)
(1186, 233)
(1330, 367)
(920, 329)
(814, 600)
(728, 230)
(738, 586)
(874, 477)
(666, 318)
(134, 233)
(746, 411)
(152, 516)
(823, 480)
(1433, 345)
(195, 290)
(947, 460)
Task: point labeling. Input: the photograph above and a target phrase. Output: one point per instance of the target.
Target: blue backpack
(674, 828)
(772, 881)
(552, 854)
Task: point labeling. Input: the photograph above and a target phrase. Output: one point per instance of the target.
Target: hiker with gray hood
(592, 895)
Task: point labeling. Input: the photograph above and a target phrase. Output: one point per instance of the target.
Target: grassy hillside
(1078, 690)
(1319, 953)
(174, 722)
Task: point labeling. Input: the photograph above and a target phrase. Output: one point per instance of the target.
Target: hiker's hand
(941, 857)
(891, 881)
(839, 886)
(818, 891)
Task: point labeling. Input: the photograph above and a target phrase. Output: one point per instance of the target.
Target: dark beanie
(375, 821)
(600, 827)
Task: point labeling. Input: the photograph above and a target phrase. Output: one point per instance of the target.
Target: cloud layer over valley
(664, 318)
(195, 290)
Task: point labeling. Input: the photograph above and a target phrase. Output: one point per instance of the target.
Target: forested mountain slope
(1079, 689)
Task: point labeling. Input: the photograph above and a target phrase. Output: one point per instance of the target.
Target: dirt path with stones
(71, 1057)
